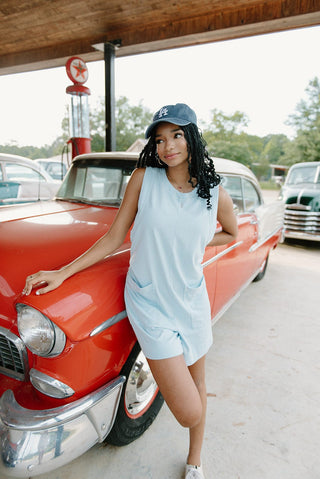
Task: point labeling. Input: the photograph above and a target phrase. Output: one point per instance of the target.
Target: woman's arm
(227, 219)
(108, 243)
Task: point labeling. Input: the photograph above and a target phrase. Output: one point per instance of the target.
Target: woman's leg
(196, 432)
(179, 387)
(184, 391)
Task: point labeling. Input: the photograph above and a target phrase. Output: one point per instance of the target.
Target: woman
(172, 199)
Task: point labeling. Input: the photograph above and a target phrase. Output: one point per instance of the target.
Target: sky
(263, 76)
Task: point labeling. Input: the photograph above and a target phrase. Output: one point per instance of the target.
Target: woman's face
(172, 147)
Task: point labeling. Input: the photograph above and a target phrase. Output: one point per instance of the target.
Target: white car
(55, 168)
(23, 181)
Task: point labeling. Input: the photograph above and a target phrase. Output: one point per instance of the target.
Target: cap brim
(175, 121)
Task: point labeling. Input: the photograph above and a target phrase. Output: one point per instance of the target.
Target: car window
(100, 183)
(1, 174)
(125, 181)
(56, 170)
(232, 185)
(95, 183)
(250, 195)
(303, 174)
(18, 172)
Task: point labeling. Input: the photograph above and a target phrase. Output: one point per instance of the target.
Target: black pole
(110, 131)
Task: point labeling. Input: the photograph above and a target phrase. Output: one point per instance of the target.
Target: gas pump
(80, 139)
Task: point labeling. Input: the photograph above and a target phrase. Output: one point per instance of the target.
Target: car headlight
(39, 334)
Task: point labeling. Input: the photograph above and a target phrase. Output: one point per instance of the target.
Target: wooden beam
(271, 26)
(262, 17)
(238, 20)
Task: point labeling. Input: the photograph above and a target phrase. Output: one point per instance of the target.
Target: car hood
(306, 194)
(45, 236)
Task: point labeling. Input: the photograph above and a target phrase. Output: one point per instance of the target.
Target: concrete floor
(263, 377)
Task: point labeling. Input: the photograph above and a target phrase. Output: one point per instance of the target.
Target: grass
(268, 185)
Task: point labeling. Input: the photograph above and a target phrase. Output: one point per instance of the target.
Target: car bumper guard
(35, 442)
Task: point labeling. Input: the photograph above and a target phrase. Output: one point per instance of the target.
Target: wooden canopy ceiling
(37, 34)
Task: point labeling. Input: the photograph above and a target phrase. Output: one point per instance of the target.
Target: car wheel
(262, 270)
(140, 401)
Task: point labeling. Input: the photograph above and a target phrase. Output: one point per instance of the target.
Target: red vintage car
(72, 373)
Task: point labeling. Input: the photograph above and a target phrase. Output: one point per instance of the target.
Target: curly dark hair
(200, 165)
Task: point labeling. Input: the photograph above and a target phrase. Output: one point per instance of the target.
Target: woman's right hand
(52, 279)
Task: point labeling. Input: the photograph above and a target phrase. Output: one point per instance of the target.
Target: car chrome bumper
(301, 235)
(35, 442)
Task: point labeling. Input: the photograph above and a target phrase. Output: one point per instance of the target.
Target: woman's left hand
(52, 279)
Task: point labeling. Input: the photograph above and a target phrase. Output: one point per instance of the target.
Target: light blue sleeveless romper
(165, 294)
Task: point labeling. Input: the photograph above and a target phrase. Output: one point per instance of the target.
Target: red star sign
(77, 70)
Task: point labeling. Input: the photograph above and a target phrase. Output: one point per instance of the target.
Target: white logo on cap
(163, 112)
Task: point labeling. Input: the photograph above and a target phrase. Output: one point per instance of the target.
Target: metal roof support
(110, 123)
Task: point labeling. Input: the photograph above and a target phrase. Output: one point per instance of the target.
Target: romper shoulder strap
(146, 188)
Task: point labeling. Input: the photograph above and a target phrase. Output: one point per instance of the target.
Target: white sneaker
(194, 472)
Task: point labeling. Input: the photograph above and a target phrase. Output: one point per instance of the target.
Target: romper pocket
(197, 303)
(140, 301)
(133, 284)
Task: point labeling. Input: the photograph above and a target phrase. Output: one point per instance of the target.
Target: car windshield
(94, 184)
(56, 170)
(303, 174)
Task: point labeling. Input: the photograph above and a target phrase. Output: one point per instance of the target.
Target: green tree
(233, 150)
(306, 121)
(97, 126)
(131, 122)
(225, 137)
(28, 151)
(274, 148)
(256, 145)
(271, 151)
(227, 126)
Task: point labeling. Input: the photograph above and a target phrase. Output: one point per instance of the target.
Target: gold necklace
(185, 188)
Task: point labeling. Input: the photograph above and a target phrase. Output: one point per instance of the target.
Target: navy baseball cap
(179, 114)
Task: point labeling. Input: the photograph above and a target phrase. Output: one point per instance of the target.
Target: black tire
(262, 271)
(140, 401)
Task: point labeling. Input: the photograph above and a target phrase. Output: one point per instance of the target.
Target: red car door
(230, 267)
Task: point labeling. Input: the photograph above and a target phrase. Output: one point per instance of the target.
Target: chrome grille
(13, 355)
(299, 218)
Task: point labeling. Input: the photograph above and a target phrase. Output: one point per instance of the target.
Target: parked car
(72, 372)
(301, 195)
(57, 169)
(22, 181)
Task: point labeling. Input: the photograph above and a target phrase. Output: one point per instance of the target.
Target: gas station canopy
(39, 34)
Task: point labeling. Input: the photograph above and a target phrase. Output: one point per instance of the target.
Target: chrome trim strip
(297, 206)
(109, 322)
(219, 255)
(119, 252)
(301, 213)
(300, 194)
(258, 244)
(301, 235)
(36, 442)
